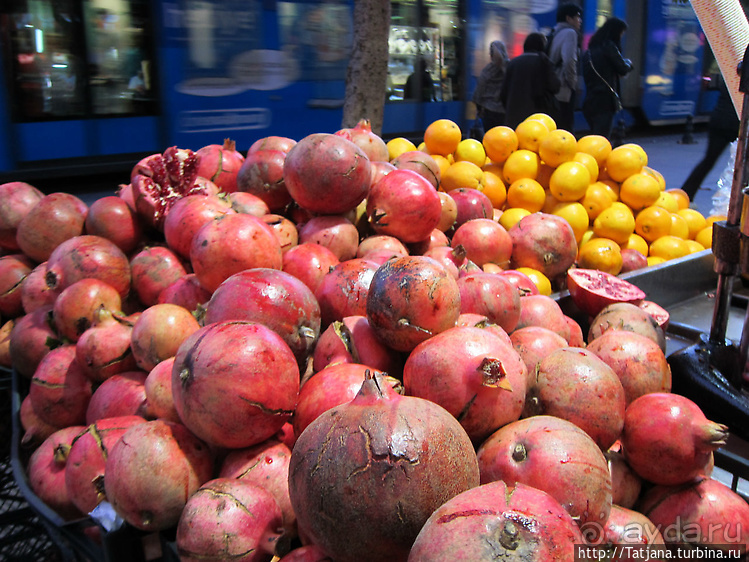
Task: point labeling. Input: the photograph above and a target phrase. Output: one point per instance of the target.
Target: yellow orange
(575, 214)
(544, 174)
(636, 242)
(640, 151)
(539, 279)
(612, 186)
(653, 222)
(597, 146)
(679, 227)
(622, 162)
(442, 137)
(681, 196)
(695, 220)
(668, 202)
(549, 203)
(694, 246)
(655, 260)
(710, 219)
(462, 174)
(398, 146)
(546, 119)
(499, 142)
(569, 181)
(520, 164)
(639, 191)
(442, 162)
(510, 216)
(526, 193)
(705, 237)
(557, 147)
(600, 253)
(669, 248)
(530, 134)
(616, 222)
(470, 150)
(495, 189)
(596, 199)
(655, 174)
(587, 235)
(589, 162)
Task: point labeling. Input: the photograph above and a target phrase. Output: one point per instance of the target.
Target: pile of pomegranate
(310, 352)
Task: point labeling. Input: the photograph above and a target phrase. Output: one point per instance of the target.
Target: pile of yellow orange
(610, 196)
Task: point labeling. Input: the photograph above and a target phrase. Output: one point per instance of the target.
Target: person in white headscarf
(486, 96)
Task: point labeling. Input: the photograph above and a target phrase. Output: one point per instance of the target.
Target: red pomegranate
(449, 212)
(284, 229)
(79, 306)
(152, 470)
(261, 174)
(625, 484)
(657, 313)
(309, 262)
(485, 241)
(420, 162)
(228, 519)
(335, 232)
(35, 293)
(55, 218)
(344, 290)
(533, 343)
(380, 242)
(626, 527)
(111, 218)
(629, 317)
(159, 398)
(472, 320)
(272, 142)
(230, 244)
(16, 200)
(247, 203)
(273, 298)
(410, 300)
(220, 385)
(32, 337)
(371, 143)
(379, 170)
(306, 553)
(158, 333)
(104, 349)
(395, 458)
(667, 439)
(123, 394)
(492, 296)
(220, 163)
(522, 282)
(452, 259)
(436, 238)
(153, 269)
(35, 430)
(542, 310)
(327, 174)
(576, 385)
(544, 242)
(186, 217)
(87, 458)
(633, 260)
(593, 290)
(499, 521)
(186, 292)
(14, 269)
(476, 376)
(537, 451)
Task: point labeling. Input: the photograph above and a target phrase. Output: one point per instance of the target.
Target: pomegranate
(249, 204)
(625, 484)
(395, 458)
(362, 136)
(500, 522)
(410, 300)
(420, 162)
(327, 174)
(35, 430)
(186, 292)
(593, 290)
(436, 238)
(485, 241)
(536, 451)
(229, 519)
(629, 317)
(104, 349)
(123, 394)
(79, 306)
(576, 385)
(667, 439)
(220, 164)
(159, 180)
(632, 260)
(284, 229)
(230, 244)
(221, 387)
(472, 320)
(272, 142)
(46, 472)
(153, 269)
(151, 471)
(473, 374)
(265, 465)
(158, 333)
(575, 338)
(55, 218)
(86, 461)
(451, 258)
(626, 527)
(704, 512)
(657, 312)
(638, 361)
(59, 390)
(309, 262)
(186, 217)
(380, 170)
(521, 281)
(32, 337)
(306, 553)
(111, 218)
(5, 359)
(16, 199)
(158, 387)
(378, 242)
(14, 269)
(533, 343)
(35, 293)
(449, 212)
(261, 174)
(544, 242)
(88, 256)
(542, 310)
(273, 298)
(344, 290)
(352, 340)
(492, 296)
(335, 232)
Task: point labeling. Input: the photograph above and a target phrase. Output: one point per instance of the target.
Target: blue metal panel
(51, 140)
(6, 155)
(128, 134)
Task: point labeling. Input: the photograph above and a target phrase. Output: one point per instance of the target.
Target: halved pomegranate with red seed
(593, 290)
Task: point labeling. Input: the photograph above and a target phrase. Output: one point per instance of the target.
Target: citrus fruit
(655, 174)
(679, 227)
(622, 162)
(655, 260)
(539, 279)
(682, 197)
(640, 151)
(549, 203)
(510, 216)
(569, 181)
(470, 150)
(597, 146)
(602, 254)
(694, 246)
(669, 248)
(442, 137)
(668, 202)
(526, 193)
(544, 174)
(499, 142)
(398, 146)
(557, 147)
(589, 162)
(636, 242)
(612, 187)
(462, 174)
(442, 162)
(616, 222)
(575, 214)
(546, 119)
(587, 235)
(530, 134)
(695, 220)
(705, 237)
(596, 199)
(639, 191)
(520, 164)
(653, 222)
(494, 188)
(714, 218)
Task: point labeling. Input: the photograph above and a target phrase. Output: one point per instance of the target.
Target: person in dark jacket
(722, 130)
(603, 65)
(564, 52)
(419, 85)
(486, 96)
(530, 82)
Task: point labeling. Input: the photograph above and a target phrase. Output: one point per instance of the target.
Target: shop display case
(407, 45)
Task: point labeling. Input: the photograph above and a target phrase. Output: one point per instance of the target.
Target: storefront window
(424, 43)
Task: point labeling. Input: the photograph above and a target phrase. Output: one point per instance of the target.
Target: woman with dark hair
(486, 97)
(603, 66)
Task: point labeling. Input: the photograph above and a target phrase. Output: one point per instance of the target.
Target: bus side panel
(6, 138)
(128, 135)
(52, 140)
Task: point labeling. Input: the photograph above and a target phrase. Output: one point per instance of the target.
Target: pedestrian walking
(564, 51)
(489, 106)
(530, 82)
(603, 65)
